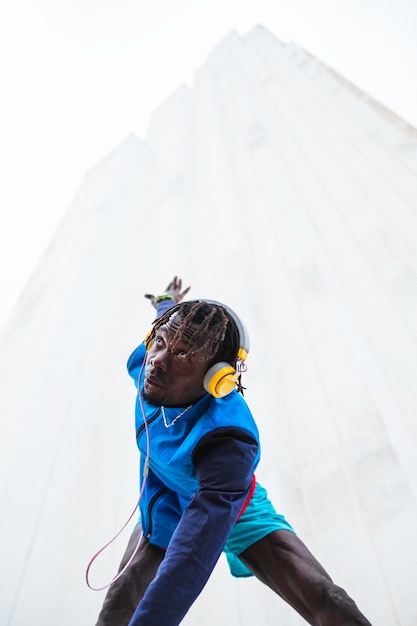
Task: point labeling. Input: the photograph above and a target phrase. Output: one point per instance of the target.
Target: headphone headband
(244, 343)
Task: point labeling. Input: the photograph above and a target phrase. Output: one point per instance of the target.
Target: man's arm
(224, 466)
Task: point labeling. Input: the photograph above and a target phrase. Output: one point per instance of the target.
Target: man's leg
(125, 593)
(284, 563)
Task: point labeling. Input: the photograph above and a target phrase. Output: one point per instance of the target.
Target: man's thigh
(284, 563)
(126, 592)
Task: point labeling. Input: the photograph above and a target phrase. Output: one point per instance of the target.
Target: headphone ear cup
(220, 379)
(147, 341)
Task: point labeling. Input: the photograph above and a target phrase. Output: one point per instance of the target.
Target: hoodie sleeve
(224, 462)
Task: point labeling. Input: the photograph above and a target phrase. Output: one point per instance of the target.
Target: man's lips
(152, 383)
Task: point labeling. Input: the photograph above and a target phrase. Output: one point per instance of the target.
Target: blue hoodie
(200, 475)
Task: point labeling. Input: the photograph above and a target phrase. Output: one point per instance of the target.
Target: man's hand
(173, 290)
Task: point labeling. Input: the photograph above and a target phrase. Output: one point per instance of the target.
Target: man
(199, 449)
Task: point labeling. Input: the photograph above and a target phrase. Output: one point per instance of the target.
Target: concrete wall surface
(277, 187)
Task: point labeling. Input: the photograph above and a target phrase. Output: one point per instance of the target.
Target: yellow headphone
(221, 378)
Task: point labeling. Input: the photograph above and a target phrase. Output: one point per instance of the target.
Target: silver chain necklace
(168, 425)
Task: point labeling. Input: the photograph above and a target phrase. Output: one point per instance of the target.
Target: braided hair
(207, 328)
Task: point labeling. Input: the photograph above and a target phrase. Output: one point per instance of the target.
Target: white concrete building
(277, 187)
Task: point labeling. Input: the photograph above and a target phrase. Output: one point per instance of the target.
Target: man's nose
(160, 358)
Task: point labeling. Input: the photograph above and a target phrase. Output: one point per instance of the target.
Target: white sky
(78, 76)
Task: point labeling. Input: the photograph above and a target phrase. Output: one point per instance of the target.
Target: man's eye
(182, 354)
(158, 340)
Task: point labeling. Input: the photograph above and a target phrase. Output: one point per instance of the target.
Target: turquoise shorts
(258, 520)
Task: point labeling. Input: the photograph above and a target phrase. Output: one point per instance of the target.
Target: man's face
(172, 376)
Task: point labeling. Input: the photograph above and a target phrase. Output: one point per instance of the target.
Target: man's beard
(148, 397)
